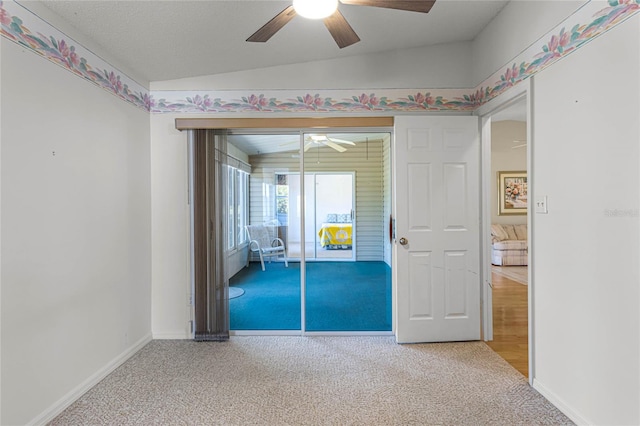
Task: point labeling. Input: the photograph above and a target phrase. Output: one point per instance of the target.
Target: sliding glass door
(327, 196)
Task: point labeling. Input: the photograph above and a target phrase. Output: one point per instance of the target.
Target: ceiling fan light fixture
(315, 9)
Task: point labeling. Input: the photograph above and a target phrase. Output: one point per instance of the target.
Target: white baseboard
(171, 336)
(64, 402)
(560, 404)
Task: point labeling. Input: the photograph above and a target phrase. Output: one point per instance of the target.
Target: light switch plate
(541, 204)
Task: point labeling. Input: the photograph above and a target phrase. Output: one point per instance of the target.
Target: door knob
(403, 241)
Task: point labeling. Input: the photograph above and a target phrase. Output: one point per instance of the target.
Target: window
(238, 182)
(243, 205)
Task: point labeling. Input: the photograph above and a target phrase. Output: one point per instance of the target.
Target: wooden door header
(282, 123)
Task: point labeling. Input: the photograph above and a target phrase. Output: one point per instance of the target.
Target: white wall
(445, 65)
(76, 252)
(586, 297)
(170, 229)
(505, 158)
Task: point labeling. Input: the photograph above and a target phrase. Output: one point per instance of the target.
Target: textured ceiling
(166, 40)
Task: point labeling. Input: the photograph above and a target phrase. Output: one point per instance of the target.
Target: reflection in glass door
(290, 210)
(333, 211)
(329, 207)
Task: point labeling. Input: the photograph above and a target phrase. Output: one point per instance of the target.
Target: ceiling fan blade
(335, 146)
(308, 146)
(423, 6)
(341, 141)
(340, 30)
(273, 26)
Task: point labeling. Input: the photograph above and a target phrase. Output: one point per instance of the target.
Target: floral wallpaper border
(297, 101)
(587, 23)
(23, 27)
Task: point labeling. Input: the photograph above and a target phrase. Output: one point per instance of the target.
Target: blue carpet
(341, 296)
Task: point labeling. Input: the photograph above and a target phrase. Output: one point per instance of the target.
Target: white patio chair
(263, 239)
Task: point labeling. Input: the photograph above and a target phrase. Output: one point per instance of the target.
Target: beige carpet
(519, 274)
(313, 381)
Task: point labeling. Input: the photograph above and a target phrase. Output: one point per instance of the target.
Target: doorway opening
(508, 248)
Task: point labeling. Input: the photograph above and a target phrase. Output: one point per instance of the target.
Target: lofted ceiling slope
(168, 39)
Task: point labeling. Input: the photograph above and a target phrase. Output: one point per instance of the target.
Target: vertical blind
(211, 289)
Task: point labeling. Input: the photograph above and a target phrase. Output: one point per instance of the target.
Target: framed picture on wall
(512, 193)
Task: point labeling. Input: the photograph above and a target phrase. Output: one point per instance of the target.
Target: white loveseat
(509, 245)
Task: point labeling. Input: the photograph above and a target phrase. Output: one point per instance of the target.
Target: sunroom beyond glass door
(269, 298)
(347, 281)
(344, 197)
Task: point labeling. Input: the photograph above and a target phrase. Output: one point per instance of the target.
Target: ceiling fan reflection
(318, 140)
(521, 144)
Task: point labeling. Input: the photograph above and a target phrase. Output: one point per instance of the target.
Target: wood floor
(510, 318)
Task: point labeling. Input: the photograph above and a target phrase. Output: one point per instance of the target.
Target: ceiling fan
(335, 22)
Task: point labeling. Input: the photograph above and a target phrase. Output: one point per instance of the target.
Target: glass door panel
(265, 269)
(348, 278)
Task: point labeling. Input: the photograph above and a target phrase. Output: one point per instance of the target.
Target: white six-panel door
(437, 196)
